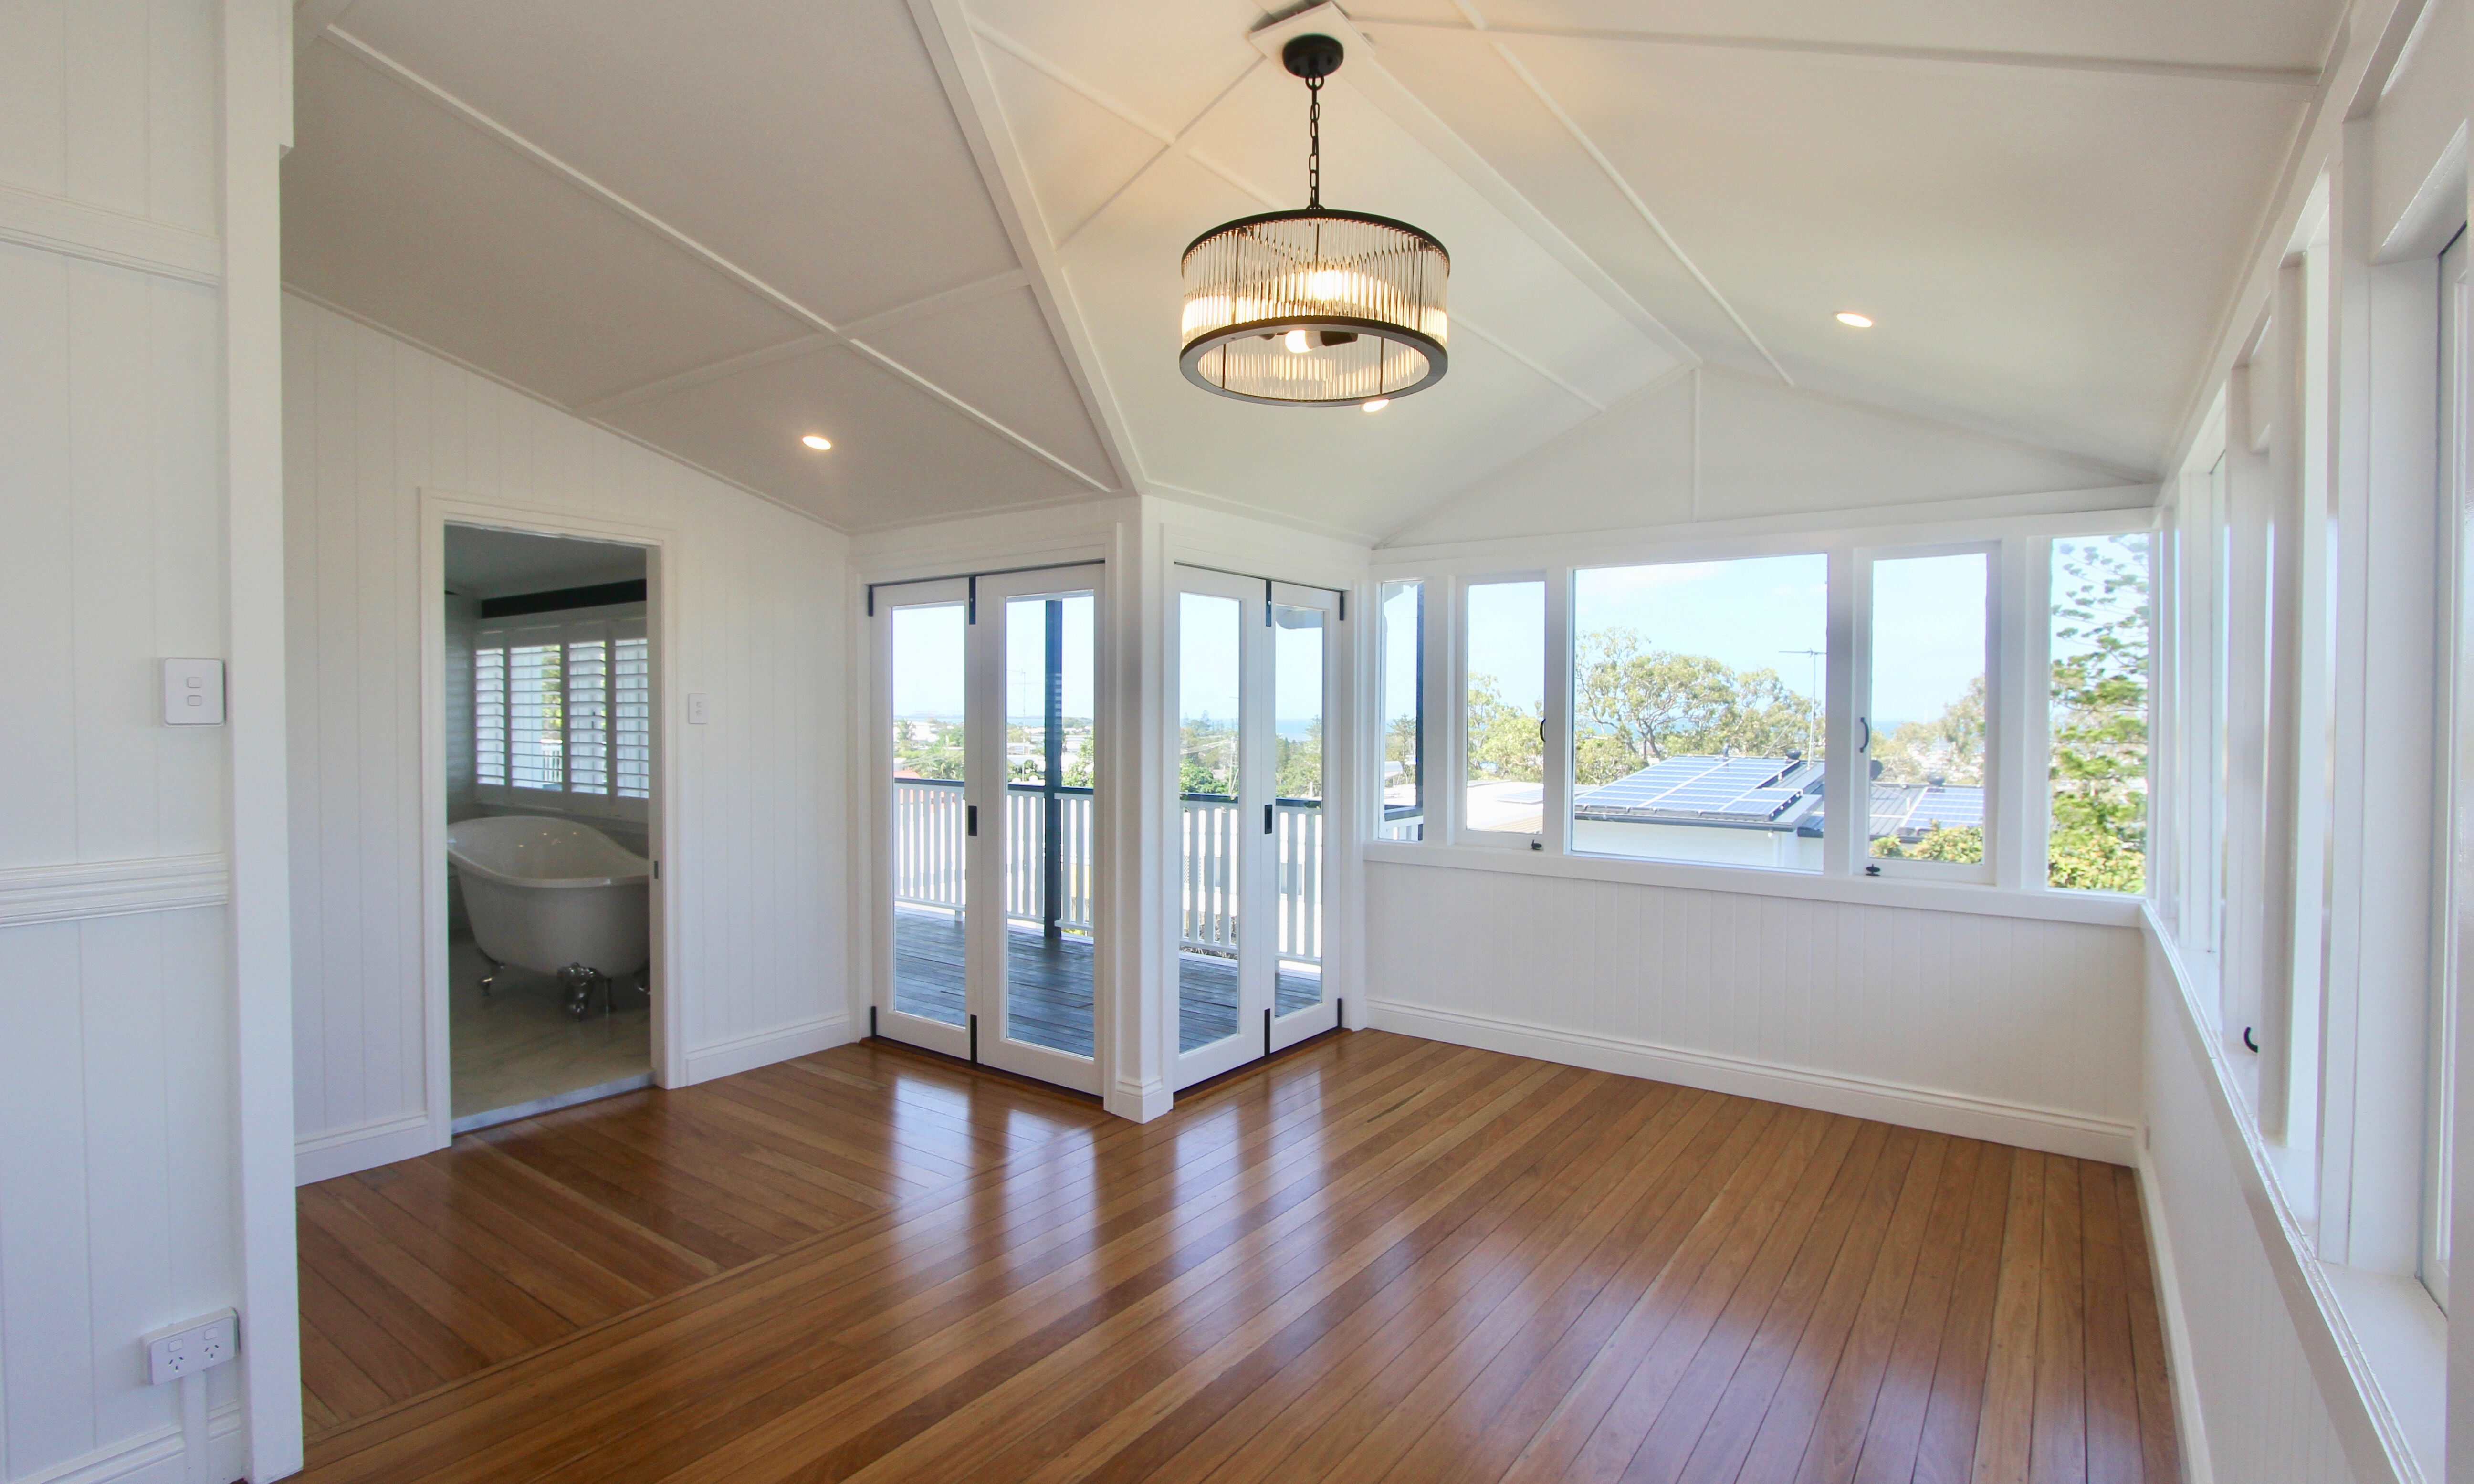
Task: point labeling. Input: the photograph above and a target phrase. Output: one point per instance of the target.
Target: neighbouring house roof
(1768, 793)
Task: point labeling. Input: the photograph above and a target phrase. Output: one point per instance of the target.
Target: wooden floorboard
(1375, 1259)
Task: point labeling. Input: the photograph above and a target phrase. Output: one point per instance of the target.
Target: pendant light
(1315, 307)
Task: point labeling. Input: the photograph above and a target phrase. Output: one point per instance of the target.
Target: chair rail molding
(76, 228)
(111, 888)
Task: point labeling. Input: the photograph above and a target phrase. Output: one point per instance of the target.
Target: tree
(1207, 762)
(1504, 741)
(1949, 747)
(1635, 705)
(1962, 843)
(2099, 691)
(928, 748)
(1296, 764)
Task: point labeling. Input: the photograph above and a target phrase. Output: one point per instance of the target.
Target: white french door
(1251, 683)
(986, 936)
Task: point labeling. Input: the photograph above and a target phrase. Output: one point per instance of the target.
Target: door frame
(1210, 568)
(983, 949)
(440, 509)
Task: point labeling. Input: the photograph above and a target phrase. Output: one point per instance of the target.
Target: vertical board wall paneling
(2018, 1014)
(757, 595)
(117, 1209)
(2264, 1416)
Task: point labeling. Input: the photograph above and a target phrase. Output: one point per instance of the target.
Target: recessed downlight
(1850, 317)
(1376, 404)
(818, 441)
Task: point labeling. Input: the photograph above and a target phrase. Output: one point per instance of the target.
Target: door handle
(1866, 723)
(970, 818)
(1267, 819)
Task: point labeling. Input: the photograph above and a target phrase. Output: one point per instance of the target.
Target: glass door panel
(990, 689)
(1299, 635)
(929, 848)
(1253, 690)
(1048, 677)
(1210, 670)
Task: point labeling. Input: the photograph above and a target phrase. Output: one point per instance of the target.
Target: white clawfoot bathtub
(556, 897)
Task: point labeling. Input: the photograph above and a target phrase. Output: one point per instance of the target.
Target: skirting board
(747, 1053)
(2181, 1363)
(2047, 1130)
(154, 1456)
(362, 1147)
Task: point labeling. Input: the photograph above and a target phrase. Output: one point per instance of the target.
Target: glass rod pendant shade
(1315, 307)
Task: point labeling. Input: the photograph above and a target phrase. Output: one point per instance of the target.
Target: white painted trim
(661, 542)
(364, 1146)
(2182, 1361)
(153, 1456)
(2091, 511)
(100, 234)
(2053, 1131)
(763, 1048)
(113, 889)
(255, 87)
(1140, 1101)
(2376, 1440)
(2095, 907)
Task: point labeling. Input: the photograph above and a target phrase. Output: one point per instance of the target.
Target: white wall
(2004, 1028)
(2239, 1361)
(120, 1108)
(757, 593)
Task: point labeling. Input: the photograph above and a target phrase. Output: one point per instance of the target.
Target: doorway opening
(550, 784)
(988, 927)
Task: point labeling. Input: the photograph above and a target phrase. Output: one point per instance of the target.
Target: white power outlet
(185, 1349)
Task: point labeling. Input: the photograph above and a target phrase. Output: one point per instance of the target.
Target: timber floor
(1377, 1257)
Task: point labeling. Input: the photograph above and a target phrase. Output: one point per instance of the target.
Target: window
(1925, 727)
(1504, 715)
(564, 708)
(1402, 607)
(2098, 762)
(1697, 730)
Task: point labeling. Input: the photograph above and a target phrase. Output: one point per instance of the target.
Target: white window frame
(2001, 824)
(1555, 791)
(1571, 726)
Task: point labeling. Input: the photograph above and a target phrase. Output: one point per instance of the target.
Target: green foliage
(1504, 741)
(928, 749)
(1296, 764)
(1401, 745)
(2099, 762)
(1635, 705)
(1950, 748)
(1207, 761)
(1962, 843)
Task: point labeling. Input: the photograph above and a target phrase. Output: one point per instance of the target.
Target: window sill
(2098, 908)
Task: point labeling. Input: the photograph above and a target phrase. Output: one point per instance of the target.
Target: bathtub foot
(492, 977)
(579, 982)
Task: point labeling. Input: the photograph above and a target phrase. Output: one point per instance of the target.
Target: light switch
(697, 714)
(193, 693)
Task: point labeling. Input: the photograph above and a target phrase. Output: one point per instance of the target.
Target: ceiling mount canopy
(1315, 307)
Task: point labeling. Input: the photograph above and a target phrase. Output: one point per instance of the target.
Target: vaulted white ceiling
(945, 233)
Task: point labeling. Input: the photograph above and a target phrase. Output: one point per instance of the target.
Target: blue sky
(1749, 613)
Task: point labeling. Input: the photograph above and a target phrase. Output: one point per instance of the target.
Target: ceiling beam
(803, 344)
(2135, 67)
(337, 36)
